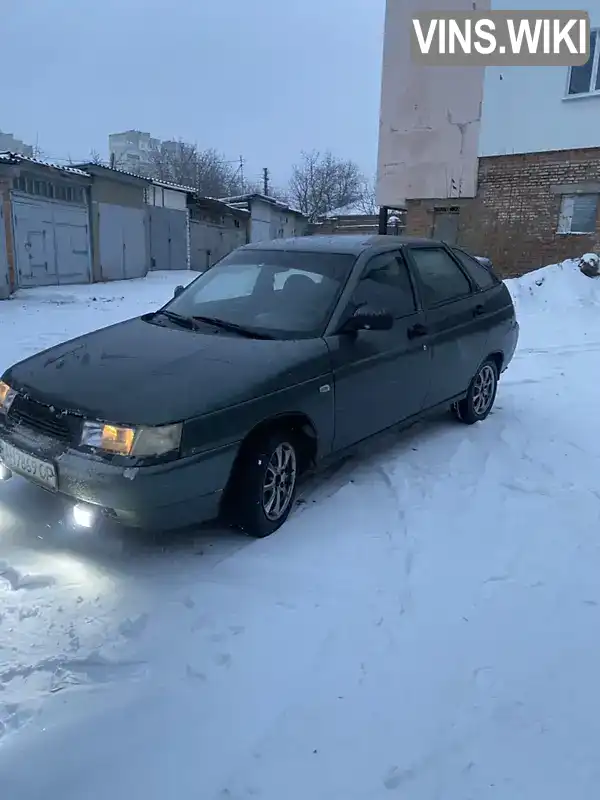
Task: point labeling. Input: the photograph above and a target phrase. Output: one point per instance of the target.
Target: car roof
(340, 243)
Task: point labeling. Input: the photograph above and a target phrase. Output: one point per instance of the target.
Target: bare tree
(96, 158)
(321, 182)
(366, 202)
(206, 171)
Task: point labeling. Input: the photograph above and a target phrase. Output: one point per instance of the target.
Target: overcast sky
(260, 78)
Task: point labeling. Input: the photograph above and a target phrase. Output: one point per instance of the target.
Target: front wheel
(265, 487)
(478, 403)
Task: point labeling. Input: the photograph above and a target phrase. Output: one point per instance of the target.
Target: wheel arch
(296, 422)
(498, 358)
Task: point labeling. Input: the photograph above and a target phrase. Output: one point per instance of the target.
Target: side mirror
(178, 290)
(485, 262)
(368, 319)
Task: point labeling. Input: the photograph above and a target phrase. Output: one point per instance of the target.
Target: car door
(457, 327)
(380, 377)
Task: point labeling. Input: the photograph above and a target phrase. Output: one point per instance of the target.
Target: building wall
(367, 224)
(514, 220)
(526, 109)
(260, 221)
(5, 282)
(131, 149)
(268, 221)
(117, 192)
(209, 242)
(166, 198)
(430, 116)
(293, 224)
(10, 143)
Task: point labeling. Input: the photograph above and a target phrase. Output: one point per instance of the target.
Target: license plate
(35, 469)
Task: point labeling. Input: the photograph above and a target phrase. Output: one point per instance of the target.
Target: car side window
(385, 284)
(442, 280)
(480, 275)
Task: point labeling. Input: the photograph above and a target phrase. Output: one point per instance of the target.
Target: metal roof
(246, 198)
(17, 158)
(92, 167)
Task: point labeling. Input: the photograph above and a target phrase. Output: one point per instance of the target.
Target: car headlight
(7, 395)
(129, 441)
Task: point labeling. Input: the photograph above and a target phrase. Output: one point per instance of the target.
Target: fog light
(84, 515)
(5, 473)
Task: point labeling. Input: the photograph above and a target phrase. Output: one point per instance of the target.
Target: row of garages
(66, 225)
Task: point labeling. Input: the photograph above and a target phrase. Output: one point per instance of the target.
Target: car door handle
(416, 331)
(478, 311)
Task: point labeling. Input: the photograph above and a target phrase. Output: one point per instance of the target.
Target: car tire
(478, 403)
(265, 487)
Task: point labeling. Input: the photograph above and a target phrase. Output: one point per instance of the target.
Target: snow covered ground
(424, 626)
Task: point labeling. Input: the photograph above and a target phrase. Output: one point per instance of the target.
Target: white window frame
(566, 212)
(593, 77)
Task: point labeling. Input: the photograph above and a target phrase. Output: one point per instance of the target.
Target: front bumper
(160, 497)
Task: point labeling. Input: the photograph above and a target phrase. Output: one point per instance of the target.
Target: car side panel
(312, 398)
(381, 378)
(463, 332)
(503, 326)
(458, 340)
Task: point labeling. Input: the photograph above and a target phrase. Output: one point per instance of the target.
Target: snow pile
(552, 288)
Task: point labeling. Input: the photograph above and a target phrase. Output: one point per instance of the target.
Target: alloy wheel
(483, 389)
(279, 481)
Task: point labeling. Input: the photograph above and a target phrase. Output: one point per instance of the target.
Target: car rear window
(481, 276)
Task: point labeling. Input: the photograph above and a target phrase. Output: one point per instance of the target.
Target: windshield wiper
(232, 326)
(186, 322)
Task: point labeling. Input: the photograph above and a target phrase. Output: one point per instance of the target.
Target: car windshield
(283, 294)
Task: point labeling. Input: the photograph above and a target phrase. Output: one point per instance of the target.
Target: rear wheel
(478, 403)
(264, 488)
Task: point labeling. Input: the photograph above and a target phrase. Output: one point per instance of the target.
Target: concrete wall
(210, 242)
(166, 198)
(269, 221)
(514, 219)
(7, 251)
(5, 287)
(117, 193)
(525, 109)
(430, 116)
(361, 224)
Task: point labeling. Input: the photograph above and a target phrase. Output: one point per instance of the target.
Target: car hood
(141, 373)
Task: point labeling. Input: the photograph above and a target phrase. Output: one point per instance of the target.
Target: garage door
(122, 240)
(168, 238)
(52, 242)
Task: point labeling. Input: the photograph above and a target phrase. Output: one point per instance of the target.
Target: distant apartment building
(132, 150)
(10, 144)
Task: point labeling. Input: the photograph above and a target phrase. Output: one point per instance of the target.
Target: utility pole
(113, 160)
(242, 183)
(266, 181)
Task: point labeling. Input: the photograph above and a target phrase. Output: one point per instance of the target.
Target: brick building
(503, 160)
(530, 209)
